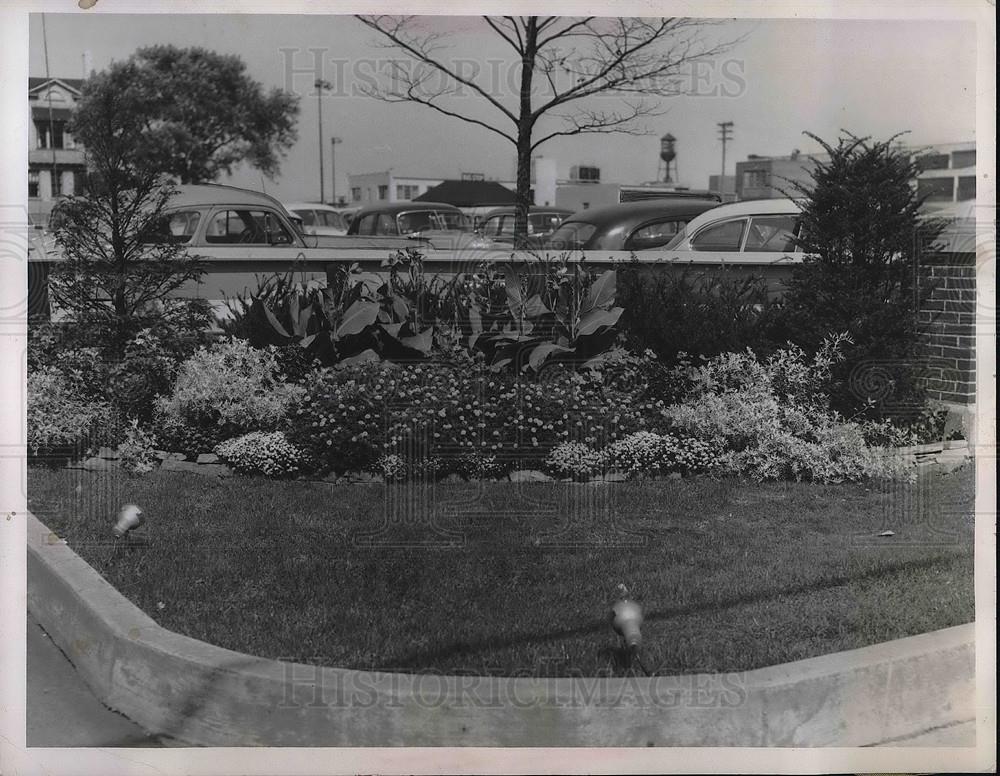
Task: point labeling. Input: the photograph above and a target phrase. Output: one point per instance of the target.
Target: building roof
(468, 193)
(74, 84)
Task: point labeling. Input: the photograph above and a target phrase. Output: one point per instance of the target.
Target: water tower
(667, 155)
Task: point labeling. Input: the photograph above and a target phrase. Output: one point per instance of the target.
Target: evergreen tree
(863, 235)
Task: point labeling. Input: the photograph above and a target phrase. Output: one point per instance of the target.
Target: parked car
(756, 229)
(318, 218)
(629, 226)
(240, 235)
(408, 219)
(436, 224)
(497, 226)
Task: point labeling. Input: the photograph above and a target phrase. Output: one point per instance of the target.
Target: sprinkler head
(626, 618)
(129, 518)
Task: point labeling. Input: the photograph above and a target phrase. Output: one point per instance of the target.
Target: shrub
(647, 453)
(136, 451)
(574, 459)
(675, 312)
(61, 419)
(862, 235)
(267, 453)
(770, 421)
(223, 391)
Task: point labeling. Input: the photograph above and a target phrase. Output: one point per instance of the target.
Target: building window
(585, 174)
(32, 183)
(966, 188)
(406, 192)
(932, 162)
(355, 194)
(755, 179)
(936, 189)
(383, 192)
(50, 134)
(961, 159)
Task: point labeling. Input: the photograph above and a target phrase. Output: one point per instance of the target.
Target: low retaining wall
(200, 694)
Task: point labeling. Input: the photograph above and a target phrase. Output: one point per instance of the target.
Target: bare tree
(564, 63)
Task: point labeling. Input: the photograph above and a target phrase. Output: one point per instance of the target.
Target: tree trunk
(525, 125)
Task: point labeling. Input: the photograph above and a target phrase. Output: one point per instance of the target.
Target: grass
(504, 579)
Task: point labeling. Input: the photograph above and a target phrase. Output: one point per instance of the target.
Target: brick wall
(948, 322)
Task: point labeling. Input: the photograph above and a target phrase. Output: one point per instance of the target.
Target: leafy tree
(563, 64)
(200, 114)
(118, 262)
(862, 234)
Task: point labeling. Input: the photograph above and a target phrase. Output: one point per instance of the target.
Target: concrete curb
(200, 694)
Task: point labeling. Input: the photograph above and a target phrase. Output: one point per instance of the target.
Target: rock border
(200, 694)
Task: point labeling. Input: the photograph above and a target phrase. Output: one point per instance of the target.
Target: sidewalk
(61, 709)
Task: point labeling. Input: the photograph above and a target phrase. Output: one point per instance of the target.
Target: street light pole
(333, 168)
(320, 86)
(725, 130)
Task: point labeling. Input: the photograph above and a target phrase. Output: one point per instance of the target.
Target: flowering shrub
(648, 453)
(574, 459)
(392, 467)
(348, 418)
(59, 416)
(136, 450)
(223, 391)
(267, 453)
(771, 421)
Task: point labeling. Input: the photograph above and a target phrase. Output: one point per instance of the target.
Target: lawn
(505, 579)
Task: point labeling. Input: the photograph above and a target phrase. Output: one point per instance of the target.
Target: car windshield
(571, 235)
(329, 218)
(428, 220)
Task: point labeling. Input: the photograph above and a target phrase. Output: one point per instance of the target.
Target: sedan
(629, 226)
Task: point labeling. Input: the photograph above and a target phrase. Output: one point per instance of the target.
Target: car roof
(404, 207)
(641, 210)
(749, 207)
(219, 194)
(311, 206)
(500, 211)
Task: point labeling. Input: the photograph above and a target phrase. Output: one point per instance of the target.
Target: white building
(55, 161)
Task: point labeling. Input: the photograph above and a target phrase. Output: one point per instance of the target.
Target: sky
(781, 77)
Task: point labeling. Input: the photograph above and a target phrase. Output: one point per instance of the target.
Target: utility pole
(725, 135)
(320, 86)
(333, 169)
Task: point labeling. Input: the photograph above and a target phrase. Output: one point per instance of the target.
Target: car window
(329, 218)
(414, 222)
(727, 236)
(505, 224)
(308, 217)
(543, 222)
(772, 233)
(385, 224)
(445, 219)
(571, 235)
(492, 226)
(654, 235)
(366, 224)
(678, 238)
(246, 227)
(176, 227)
